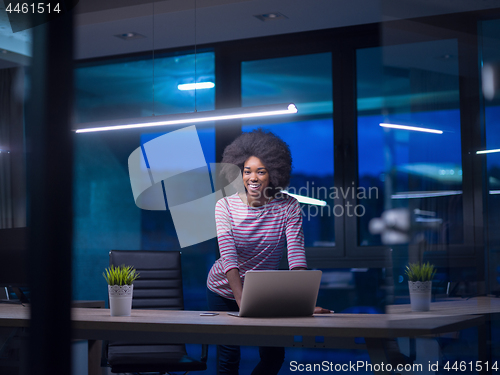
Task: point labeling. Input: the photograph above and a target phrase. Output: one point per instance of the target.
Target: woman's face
(255, 178)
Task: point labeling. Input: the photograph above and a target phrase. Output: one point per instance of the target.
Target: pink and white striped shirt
(253, 238)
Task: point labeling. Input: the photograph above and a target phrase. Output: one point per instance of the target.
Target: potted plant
(120, 287)
(420, 284)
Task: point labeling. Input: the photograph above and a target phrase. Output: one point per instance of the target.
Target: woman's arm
(295, 245)
(295, 236)
(227, 246)
(233, 276)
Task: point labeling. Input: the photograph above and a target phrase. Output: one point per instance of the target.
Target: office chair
(158, 287)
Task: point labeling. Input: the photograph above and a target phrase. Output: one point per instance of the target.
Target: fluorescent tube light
(423, 194)
(196, 86)
(188, 118)
(414, 128)
(306, 200)
(487, 151)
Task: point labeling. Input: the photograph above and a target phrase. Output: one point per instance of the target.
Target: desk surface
(319, 331)
(98, 324)
(460, 306)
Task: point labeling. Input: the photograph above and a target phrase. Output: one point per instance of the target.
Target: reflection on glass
(105, 214)
(307, 82)
(411, 128)
(15, 58)
(124, 88)
(415, 161)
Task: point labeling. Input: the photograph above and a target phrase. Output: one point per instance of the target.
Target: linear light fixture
(196, 86)
(423, 194)
(306, 200)
(188, 118)
(414, 128)
(487, 151)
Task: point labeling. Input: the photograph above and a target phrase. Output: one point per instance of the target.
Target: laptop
(279, 293)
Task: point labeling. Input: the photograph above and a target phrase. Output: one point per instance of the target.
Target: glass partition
(409, 145)
(15, 63)
(490, 50)
(105, 214)
(143, 86)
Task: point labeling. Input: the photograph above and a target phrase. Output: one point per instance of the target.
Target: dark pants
(271, 358)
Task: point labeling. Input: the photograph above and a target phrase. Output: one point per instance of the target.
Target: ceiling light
(490, 79)
(425, 194)
(487, 151)
(414, 128)
(196, 86)
(130, 35)
(446, 56)
(271, 16)
(188, 118)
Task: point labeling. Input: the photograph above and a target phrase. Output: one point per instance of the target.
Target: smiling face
(256, 180)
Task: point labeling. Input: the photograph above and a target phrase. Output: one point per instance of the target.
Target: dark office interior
(66, 199)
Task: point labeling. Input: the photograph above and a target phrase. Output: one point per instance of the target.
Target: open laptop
(279, 293)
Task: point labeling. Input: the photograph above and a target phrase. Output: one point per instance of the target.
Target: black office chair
(159, 287)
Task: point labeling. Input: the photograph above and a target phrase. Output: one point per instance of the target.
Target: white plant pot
(120, 299)
(420, 295)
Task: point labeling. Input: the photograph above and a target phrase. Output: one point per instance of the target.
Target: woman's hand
(317, 309)
(320, 310)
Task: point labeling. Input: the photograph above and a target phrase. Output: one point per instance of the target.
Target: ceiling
(177, 23)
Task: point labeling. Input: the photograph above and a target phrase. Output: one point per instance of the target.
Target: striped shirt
(253, 238)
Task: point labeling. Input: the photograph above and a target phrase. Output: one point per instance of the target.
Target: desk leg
(378, 354)
(94, 359)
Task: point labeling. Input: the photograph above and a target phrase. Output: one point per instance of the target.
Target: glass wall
(409, 142)
(490, 49)
(15, 61)
(136, 87)
(106, 216)
(306, 81)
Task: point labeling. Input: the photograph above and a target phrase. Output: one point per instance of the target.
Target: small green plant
(420, 272)
(120, 275)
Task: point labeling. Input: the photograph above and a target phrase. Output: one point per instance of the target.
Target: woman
(252, 229)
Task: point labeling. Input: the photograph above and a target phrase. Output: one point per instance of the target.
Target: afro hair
(272, 151)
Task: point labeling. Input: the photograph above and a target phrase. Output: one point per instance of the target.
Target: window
(412, 85)
(124, 88)
(306, 81)
(490, 44)
(105, 214)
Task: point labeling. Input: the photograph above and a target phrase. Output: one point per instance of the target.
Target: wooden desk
(319, 331)
(454, 306)
(488, 307)
(94, 347)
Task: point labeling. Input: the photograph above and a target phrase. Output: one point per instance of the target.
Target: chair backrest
(159, 285)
